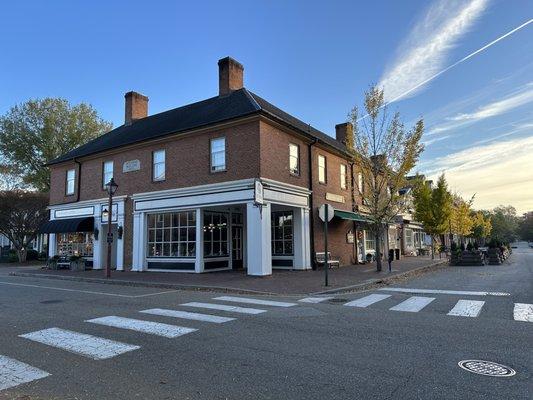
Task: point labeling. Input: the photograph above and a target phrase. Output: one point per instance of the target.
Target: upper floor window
(321, 169)
(343, 176)
(218, 154)
(294, 159)
(158, 167)
(107, 173)
(360, 182)
(71, 178)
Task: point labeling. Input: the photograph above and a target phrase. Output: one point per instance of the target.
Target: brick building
(228, 182)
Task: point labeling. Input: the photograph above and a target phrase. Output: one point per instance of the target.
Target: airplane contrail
(457, 63)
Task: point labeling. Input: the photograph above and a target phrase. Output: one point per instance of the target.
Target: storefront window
(282, 233)
(409, 237)
(75, 244)
(216, 234)
(172, 234)
(370, 241)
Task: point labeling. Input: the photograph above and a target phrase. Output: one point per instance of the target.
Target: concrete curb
(382, 281)
(370, 283)
(147, 284)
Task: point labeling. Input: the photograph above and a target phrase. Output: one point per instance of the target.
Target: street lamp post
(111, 188)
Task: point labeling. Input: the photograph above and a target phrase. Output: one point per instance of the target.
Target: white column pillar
(139, 242)
(120, 245)
(199, 262)
(258, 251)
(52, 245)
(302, 241)
(97, 244)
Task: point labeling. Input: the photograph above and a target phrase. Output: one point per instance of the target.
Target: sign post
(326, 213)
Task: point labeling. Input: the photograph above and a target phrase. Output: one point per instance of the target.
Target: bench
(321, 258)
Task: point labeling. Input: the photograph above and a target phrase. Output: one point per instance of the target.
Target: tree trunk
(432, 248)
(22, 253)
(378, 250)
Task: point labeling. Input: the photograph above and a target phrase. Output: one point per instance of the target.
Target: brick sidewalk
(280, 282)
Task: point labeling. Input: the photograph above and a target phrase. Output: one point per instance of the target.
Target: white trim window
(218, 154)
(158, 165)
(172, 234)
(360, 183)
(409, 238)
(70, 180)
(321, 169)
(344, 174)
(294, 159)
(282, 233)
(370, 241)
(215, 234)
(107, 172)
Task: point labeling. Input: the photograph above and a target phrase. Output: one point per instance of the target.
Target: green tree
(526, 228)
(37, 131)
(385, 152)
(504, 224)
(21, 215)
(461, 222)
(433, 208)
(482, 226)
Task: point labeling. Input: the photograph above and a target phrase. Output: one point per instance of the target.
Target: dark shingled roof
(238, 104)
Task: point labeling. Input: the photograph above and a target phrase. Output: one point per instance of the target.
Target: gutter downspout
(311, 208)
(79, 180)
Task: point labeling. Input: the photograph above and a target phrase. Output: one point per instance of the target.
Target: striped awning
(85, 224)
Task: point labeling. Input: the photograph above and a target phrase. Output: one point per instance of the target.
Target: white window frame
(295, 157)
(322, 169)
(344, 176)
(360, 182)
(107, 174)
(213, 153)
(70, 182)
(156, 177)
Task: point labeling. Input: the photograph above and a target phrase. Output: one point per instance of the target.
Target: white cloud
(497, 107)
(428, 45)
(493, 109)
(498, 173)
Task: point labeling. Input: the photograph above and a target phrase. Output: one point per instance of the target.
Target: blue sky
(313, 59)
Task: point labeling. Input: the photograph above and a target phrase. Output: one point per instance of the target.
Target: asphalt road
(307, 351)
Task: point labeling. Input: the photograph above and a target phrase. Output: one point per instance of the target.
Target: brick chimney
(136, 107)
(344, 134)
(230, 76)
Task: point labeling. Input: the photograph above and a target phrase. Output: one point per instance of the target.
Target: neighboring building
(227, 182)
(411, 239)
(38, 244)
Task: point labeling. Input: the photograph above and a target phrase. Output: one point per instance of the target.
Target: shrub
(32, 255)
(469, 246)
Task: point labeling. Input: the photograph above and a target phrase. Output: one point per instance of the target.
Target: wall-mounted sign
(259, 198)
(74, 212)
(131, 165)
(350, 237)
(105, 212)
(335, 197)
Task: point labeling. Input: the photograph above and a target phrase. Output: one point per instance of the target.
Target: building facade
(226, 183)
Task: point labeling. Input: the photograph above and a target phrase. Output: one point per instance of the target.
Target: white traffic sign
(326, 215)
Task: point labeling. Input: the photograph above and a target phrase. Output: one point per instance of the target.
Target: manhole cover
(488, 368)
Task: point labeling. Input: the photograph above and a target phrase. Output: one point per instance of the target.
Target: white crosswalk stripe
(90, 346)
(14, 373)
(523, 312)
(153, 328)
(188, 315)
(467, 308)
(367, 300)
(413, 304)
(225, 307)
(314, 300)
(255, 301)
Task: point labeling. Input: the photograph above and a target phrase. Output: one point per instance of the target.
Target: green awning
(349, 215)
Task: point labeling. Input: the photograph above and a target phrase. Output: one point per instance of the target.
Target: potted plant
(369, 257)
(77, 263)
